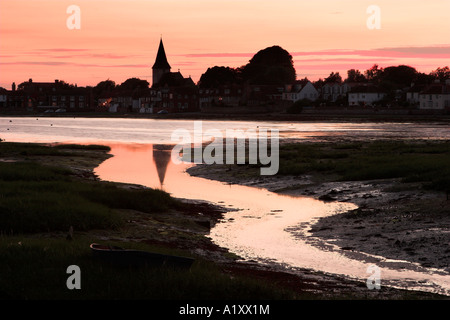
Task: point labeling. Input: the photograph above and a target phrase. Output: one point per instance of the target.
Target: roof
(366, 89)
(437, 88)
(161, 59)
(174, 79)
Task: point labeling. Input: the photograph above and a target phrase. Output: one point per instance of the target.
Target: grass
(38, 204)
(45, 278)
(427, 162)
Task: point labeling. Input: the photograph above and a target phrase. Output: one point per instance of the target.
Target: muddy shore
(394, 220)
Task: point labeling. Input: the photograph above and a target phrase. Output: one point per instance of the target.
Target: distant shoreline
(324, 116)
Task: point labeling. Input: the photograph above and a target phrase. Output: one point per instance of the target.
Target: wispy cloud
(73, 64)
(438, 52)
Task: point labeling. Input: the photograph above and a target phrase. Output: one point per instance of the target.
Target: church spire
(161, 59)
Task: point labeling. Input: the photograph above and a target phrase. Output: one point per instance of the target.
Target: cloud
(437, 52)
(62, 63)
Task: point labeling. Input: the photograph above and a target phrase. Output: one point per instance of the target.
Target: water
(257, 227)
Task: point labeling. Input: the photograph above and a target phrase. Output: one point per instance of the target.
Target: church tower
(161, 65)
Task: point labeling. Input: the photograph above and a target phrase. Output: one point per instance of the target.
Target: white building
(436, 96)
(365, 96)
(413, 94)
(333, 90)
(300, 90)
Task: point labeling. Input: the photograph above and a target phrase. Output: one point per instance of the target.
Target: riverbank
(36, 260)
(326, 115)
(397, 218)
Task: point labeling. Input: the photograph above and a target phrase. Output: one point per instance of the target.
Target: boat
(137, 258)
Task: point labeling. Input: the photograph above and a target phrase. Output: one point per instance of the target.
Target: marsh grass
(427, 162)
(42, 198)
(45, 278)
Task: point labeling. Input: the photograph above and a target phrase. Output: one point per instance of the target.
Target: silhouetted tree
(134, 84)
(273, 65)
(441, 74)
(334, 77)
(105, 86)
(355, 76)
(398, 77)
(217, 76)
(373, 74)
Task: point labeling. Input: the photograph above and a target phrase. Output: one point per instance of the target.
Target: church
(171, 91)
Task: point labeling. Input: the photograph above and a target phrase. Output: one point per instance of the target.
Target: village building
(301, 89)
(436, 96)
(365, 96)
(49, 97)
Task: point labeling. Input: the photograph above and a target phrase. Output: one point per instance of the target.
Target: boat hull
(137, 258)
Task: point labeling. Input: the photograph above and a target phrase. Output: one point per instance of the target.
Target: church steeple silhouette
(161, 65)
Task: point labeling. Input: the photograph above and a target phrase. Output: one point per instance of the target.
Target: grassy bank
(424, 162)
(46, 190)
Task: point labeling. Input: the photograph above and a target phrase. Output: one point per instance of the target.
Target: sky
(118, 39)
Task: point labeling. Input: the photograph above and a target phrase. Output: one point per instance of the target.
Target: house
(332, 91)
(365, 95)
(3, 97)
(41, 96)
(225, 95)
(254, 95)
(435, 96)
(174, 93)
(302, 89)
(413, 93)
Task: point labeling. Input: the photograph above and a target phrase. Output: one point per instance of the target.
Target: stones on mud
(313, 229)
(326, 197)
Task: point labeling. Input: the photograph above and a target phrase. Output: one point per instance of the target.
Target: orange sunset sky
(119, 39)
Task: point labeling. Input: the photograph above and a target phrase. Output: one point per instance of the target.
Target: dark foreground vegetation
(42, 197)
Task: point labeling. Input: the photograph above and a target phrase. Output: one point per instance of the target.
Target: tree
(217, 76)
(104, 87)
(441, 74)
(334, 77)
(373, 74)
(272, 65)
(355, 76)
(398, 77)
(134, 84)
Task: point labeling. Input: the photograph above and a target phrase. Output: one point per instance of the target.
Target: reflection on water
(257, 228)
(161, 158)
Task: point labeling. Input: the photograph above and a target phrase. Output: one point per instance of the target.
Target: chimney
(13, 86)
